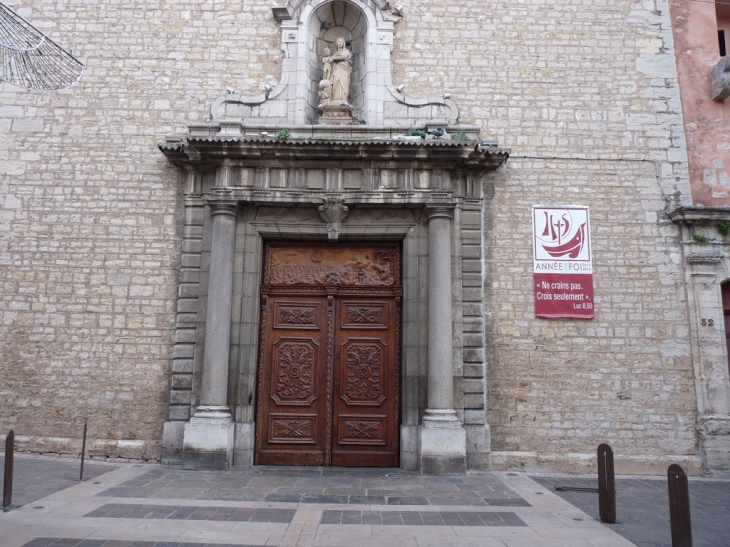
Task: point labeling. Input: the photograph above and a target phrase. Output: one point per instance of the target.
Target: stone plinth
(333, 120)
(336, 114)
(208, 441)
(443, 448)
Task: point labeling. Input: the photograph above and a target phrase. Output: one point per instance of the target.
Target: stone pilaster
(443, 437)
(208, 439)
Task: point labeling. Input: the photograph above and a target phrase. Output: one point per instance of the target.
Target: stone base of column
(208, 440)
(442, 447)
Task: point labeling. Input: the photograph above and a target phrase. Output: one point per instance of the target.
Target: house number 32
(707, 322)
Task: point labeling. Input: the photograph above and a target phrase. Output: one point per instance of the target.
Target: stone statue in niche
(334, 89)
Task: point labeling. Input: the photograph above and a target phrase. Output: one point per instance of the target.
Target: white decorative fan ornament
(29, 59)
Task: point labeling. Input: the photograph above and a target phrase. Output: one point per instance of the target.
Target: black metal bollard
(606, 484)
(83, 451)
(8, 477)
(679, 506)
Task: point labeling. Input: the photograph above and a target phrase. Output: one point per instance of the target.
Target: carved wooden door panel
(329, 356)
(292, 426)
(366, 383)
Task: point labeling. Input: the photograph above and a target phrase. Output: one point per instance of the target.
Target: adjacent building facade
(218, 260)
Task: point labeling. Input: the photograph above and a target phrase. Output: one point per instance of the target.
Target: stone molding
(705, 258)
(699, 215)
(368, 172)
(223, 209)
(439, 212)
(705, 271)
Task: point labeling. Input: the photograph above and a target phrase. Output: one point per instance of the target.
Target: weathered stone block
(474, 401)
(179, 412)
(442, 450)
(180, 397)
(720, 79)
(172, 442)
(473, 370)
(208, 444)
(473, 386)
(182, 381)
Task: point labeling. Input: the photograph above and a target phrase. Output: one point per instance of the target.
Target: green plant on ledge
(283, 134)
(702, 239)
(416, 133)
(460, 136)
(723, 228)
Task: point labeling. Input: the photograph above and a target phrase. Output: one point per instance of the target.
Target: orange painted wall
(706, 122)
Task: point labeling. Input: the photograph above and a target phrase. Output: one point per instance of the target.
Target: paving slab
(642, 507)
(35, 477)
(164, 506)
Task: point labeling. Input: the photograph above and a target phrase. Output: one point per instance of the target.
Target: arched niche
(326, 23)
(307, 27)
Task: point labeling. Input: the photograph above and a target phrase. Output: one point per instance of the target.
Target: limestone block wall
(101, 266)
(91, 226)
(587, 98)
(558, 388)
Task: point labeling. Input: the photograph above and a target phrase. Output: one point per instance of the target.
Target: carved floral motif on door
(294, 363)
(364, 364)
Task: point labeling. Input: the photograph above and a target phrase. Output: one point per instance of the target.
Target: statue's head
(327, 52)
(340, 42)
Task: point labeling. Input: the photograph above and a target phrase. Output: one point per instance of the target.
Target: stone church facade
(214, 277)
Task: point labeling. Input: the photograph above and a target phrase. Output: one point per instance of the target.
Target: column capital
(225, 208)
(440, 211)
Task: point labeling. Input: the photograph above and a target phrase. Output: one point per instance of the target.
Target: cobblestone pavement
(162, 506)
(642, 508)
(35, 477)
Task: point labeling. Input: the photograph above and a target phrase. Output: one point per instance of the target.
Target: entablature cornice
(374, 166)
(699, 215)
(473, 156)
(293, 198)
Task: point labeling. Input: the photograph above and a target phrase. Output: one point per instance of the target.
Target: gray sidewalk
(37, 477)
(161, 506)
(642, 508)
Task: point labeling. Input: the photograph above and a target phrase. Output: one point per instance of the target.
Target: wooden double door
(328, 385)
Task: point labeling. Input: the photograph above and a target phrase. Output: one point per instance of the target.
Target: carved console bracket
(720, 79)
(333, 212)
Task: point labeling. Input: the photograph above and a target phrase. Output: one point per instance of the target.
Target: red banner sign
(563, 269)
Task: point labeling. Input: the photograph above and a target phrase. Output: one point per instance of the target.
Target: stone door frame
(254, 232)
(244, 190)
